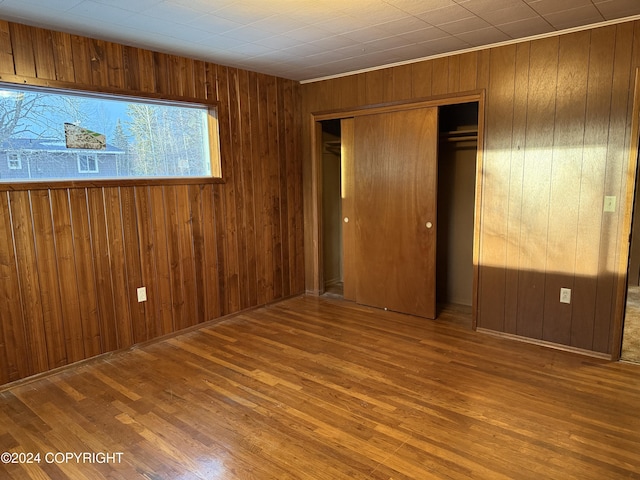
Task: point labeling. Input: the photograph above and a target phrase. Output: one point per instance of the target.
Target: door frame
(315, 249)
(631, 196)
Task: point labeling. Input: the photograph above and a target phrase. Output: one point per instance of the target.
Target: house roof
(49, 145)
(311, 39)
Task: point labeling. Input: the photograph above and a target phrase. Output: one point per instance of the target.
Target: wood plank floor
(320, 388)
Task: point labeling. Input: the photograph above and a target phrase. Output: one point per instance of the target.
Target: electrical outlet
(565, 295)
(142, 294)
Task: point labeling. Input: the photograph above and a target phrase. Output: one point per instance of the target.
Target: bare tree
(21, 113)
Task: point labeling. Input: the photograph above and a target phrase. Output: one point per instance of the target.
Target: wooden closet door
(395, 172)
(348, 206)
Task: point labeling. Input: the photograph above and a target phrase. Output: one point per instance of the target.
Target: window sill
(99, 183)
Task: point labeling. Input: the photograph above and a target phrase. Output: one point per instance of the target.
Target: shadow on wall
(527, 303)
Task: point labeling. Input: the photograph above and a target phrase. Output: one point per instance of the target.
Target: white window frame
(14, 161)
(88, 156)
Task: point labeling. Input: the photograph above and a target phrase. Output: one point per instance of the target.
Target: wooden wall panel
(59, 340)
(71, 259)
(65, 262)
(422, 79)
(114, 60)
(63, 56)
(133, 259)
(103, 273)
(28, 282)
(538, 164)
(246, 99)
(85, 272)
(22, 47)
(81, 60)
(98, 61)
(402, 82)
(501, 88)
(440, 78)
(211, 270)
(199, 256)
(375, 86)
(162, 317)
(516, 215)
(186, 257)
(230, 140)
(43, 53)
(145, 245)
(454, 74)
(557, 133)
(13, 340)
(295, 124)
(6, 51)
(564, 195)
(238, 200)
(468, 71)
(482, 81)
(265, 282)
(118, 267)
(616, 161)
(175, 264)
(591, 193)
(274, 220)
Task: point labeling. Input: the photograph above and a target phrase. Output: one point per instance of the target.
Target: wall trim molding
(515, 41)
(544, 343)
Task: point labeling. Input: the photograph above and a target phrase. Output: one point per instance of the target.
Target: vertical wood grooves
(557, 132)
(71, 259)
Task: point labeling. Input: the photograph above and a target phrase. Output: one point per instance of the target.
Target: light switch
(142, 294)
(609, 204)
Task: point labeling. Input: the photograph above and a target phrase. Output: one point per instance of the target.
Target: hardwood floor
(320, 388)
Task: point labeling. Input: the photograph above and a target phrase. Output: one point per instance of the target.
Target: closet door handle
(346, 219)
(429, 224)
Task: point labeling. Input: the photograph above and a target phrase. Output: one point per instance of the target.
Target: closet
(331, 208)
(398, 202)
(457, 154)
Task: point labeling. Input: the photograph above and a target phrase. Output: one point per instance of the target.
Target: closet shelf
(460, 135)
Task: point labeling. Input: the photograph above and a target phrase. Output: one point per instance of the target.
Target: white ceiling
(310, 39)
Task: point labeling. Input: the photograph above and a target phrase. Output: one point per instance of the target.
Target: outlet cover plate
(565, 295)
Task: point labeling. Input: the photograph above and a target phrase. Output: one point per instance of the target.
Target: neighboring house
(42, 159)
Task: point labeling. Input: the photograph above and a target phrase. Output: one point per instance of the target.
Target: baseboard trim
(544, 343)
(103, 356)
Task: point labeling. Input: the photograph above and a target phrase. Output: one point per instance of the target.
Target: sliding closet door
(347, 187)
(395, 172)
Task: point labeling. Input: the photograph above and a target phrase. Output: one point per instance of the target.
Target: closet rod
(460, 139)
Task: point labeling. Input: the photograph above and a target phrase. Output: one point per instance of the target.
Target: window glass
(65, 135)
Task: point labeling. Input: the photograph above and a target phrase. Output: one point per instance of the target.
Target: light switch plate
(609, 203)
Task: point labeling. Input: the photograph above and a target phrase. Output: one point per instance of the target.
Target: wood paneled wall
(557, 135)
(72, 258)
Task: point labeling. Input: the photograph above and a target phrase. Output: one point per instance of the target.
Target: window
(13, 161)
(71, 135)
(87, 163)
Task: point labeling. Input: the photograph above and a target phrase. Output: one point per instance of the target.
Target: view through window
(64, 135)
